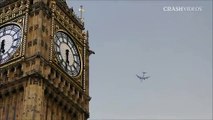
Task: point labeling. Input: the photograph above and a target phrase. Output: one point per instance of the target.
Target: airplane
(143, 77)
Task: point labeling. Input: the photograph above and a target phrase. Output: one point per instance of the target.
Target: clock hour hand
(2, 50)
(67, 56)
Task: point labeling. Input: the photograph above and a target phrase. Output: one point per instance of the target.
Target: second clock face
(67, 54)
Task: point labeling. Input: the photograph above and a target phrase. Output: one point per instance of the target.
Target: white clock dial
(10, 39)
(67, 54)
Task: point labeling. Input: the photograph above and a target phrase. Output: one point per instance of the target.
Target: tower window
(43, 28)
(42, 43)
(31, 28)
(46, 46)
(36, 27)
(35, 42)
(29, 43)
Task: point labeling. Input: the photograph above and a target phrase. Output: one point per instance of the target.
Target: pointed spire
(81, 10)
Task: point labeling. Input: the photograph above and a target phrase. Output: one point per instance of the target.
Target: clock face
(10, 39)
(67, 54)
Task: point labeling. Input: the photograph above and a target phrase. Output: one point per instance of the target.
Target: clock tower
(44, 61)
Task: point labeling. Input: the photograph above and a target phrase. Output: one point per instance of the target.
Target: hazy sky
(174, 48)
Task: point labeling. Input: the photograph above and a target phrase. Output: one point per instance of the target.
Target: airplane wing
(146, 77)
(139, 76)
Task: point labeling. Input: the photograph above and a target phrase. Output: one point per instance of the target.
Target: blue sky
(174, 48)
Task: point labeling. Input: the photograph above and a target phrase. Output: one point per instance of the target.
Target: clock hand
(67, 56)
(2, 50)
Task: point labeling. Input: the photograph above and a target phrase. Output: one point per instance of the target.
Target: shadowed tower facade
(44, 61)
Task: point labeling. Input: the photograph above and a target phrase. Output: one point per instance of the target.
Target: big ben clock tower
(44, 61)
